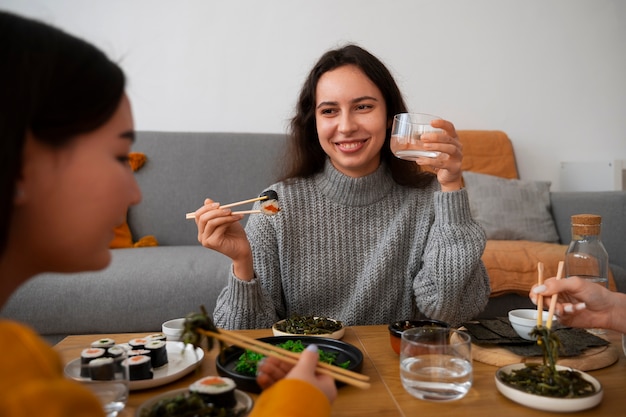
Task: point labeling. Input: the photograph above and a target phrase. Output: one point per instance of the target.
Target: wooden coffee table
(386, 397)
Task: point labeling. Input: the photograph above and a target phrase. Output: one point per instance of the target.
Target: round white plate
(549, 403)
(334, 335)
(244, 401)
(181, 361)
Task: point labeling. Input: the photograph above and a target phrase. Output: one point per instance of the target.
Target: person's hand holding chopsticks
(272, 370)
(219, 229)
(583, 303)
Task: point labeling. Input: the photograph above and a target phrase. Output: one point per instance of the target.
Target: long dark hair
(305, 156)
(53, 85)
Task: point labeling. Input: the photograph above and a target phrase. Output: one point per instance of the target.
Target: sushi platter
(181, 360)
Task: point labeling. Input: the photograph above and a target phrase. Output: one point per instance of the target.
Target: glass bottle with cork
(586, 256)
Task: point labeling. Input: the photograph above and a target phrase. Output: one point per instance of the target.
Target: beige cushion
(512, 264)
(488, 152)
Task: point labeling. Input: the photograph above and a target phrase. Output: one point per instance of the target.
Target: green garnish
(248, 360)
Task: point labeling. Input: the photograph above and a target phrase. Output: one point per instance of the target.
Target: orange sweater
(32, 384)
(291, 398)
(32, 381)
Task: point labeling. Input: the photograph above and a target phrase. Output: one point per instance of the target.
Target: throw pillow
(511, 209)
(512, 265)
(123, 237)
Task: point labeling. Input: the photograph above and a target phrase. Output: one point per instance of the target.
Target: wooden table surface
(386, 397)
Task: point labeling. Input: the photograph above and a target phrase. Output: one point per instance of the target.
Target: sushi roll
(157, 336)
(139, 367)
(86, 356)
(118, 353)
(269, 206)
(115, 352)
(138, 343)
(137, 352)
(216, 390)
(102, 369)
(158, 352)
(103, 343)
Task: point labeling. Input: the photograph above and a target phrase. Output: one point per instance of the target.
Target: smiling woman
(357, 225)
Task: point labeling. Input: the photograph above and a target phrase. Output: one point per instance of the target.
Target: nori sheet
(499, 332)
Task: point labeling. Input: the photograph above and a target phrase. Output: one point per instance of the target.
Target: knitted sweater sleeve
(291, 397)
(453, 284)
(250, 305)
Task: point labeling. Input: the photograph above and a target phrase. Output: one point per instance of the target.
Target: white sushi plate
(244, 401)
(181, 361)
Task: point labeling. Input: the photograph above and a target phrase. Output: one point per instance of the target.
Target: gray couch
(144, 287)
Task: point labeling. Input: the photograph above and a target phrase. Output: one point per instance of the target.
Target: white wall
(550, 73)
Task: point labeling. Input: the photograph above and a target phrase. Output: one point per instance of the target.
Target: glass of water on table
(406, 134)
(436, 363)
(107, 377)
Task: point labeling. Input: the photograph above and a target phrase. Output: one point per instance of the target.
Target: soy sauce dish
(397, 327)
(545, 403)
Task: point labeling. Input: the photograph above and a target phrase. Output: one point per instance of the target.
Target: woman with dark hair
(362, 237)
(66, 130)
(65, 133)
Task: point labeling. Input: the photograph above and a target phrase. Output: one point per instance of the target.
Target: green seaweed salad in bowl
(240, 364)
(309, 326)
(548, 386)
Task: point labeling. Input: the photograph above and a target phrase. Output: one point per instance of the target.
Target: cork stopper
(586, 224)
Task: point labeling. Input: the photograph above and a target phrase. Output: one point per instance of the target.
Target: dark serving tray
(226, 362)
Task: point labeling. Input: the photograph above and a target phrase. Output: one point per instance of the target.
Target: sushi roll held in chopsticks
(269, 206)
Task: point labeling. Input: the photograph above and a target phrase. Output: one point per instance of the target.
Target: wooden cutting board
(591, 359)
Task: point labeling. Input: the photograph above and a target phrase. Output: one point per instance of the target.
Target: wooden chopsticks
(540, 270)
(267, 349)
(559, 274)
(192, 215)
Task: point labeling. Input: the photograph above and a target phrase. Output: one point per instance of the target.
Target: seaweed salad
(544, 379)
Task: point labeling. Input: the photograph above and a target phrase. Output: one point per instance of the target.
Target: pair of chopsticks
(559, 274)
(267, 349)
(192, 215)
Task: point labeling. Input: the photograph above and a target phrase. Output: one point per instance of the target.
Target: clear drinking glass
(436, 363)
(108, 380)
(406, 133)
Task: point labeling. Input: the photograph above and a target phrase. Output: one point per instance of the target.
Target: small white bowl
(524, 320)
(558, 405)
(335, 335)
(173, 329)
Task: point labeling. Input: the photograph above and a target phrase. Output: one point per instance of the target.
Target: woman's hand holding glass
(429, 141)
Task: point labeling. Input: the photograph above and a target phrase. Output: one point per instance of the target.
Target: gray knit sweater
(361, 250)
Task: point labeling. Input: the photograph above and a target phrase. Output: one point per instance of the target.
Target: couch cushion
(512, 264)
(184, 168)
(488, 152)
(511, 209)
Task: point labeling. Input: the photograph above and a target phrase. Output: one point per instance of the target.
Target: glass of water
(107, 377)
(406, 135)
(436, 363)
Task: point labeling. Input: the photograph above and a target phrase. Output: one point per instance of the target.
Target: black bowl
(226, 362)
(396, 328)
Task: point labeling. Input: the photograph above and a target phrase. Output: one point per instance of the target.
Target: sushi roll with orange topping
(215, 390)
(86, 356)
(269, 206)
(139, 367)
